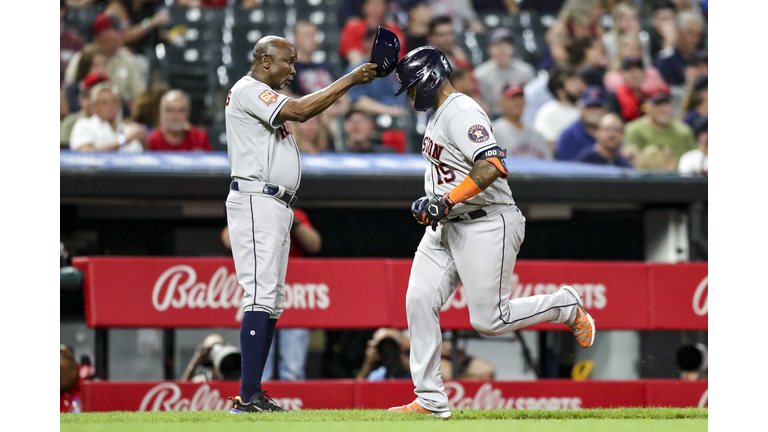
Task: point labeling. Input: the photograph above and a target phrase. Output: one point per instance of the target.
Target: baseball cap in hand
(106, 21)
(593, 96)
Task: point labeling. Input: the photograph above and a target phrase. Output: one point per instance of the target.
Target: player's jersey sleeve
(470, 130)
(263, 103)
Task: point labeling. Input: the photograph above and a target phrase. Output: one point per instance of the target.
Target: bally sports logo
(701, 298)
(594, 295)
(488, 397)
(168, 396)
(178, 288)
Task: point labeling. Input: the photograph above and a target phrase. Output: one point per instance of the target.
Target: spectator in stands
(386, 356)
(65, 130)
(629, 46)
(372, 15)
(294, 343)
(121, 64)
(577, 19)
(462, 15)
(625, 22)
(606, 150)
(587, 55)
(146, 106)
(556, 115)
(359, 126)
(696, 102)
(441, 36)
(695, 161)
(680, 44)
(501, 70)
(69, 382)
(310, 76)
(517, 139)
(469, 367)
(417, 24)
(143, 21)
(463, 81)
(629, 97)
(663, 15)
(377, 97)
(659, 126)
(312, 136)
(103, 131)
(211, 4)
(580, 54)
(92, 60)
(175, 133)
(70, 42)
(581, 134)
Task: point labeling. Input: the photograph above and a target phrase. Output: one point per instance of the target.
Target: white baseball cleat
(583, 327)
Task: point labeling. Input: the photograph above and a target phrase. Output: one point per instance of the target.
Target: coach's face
(280, 66)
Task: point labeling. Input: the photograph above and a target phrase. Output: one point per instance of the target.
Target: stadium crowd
(611, 82)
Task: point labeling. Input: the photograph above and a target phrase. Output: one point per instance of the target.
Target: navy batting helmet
(421, 65)
(385, 52)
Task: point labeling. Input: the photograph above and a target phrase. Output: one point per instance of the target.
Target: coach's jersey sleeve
(470, 131)
(263, 103)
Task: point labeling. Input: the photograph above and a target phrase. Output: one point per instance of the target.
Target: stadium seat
(80, 19)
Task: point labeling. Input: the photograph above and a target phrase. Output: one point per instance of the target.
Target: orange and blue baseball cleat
(415, 407)
(583, 327)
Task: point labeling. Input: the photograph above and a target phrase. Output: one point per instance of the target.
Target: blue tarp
(314, 164)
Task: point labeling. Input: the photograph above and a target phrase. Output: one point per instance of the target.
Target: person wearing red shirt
(175, 133)
(69, 382)
(351, 46)
(629, 96)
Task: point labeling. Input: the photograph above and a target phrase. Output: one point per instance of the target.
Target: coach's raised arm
(273, 60)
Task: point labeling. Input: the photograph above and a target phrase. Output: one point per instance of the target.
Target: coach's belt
(270, 189)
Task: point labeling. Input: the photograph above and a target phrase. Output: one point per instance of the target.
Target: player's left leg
(485, 263)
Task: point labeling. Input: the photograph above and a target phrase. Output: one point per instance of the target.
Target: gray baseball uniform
(478, 251)
(266, 166)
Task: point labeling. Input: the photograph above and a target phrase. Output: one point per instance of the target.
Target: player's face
(282, 70)
(412, 91)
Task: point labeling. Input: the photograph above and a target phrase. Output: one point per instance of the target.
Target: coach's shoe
(262, 403)
(583, 327)
(415, 407)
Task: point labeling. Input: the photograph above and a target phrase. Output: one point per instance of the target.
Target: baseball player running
(474, 232)
(266, 172)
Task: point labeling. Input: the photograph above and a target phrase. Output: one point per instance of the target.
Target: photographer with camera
(214, 359)
(386, 356)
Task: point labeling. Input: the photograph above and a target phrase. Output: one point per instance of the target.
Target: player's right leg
(259, 229)
(433, 279)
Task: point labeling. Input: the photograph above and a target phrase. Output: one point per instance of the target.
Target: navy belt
(273, 190)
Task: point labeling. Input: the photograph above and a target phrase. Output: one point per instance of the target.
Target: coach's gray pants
(260, 234)
(481, 254)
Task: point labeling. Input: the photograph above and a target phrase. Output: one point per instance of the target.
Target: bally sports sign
(370, 293)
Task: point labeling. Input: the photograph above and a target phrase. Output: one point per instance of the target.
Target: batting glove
(418, 209)
(437, 209)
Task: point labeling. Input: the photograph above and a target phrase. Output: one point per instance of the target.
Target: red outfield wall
(370, 293)
(348, 394)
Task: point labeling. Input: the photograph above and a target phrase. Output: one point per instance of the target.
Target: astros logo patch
(478, 134)
(268, 96)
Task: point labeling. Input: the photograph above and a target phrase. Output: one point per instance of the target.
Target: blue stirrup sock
(256, 332)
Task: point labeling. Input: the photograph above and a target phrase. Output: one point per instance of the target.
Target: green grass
(590, 420)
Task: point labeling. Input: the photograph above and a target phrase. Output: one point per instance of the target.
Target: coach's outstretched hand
(364, 73)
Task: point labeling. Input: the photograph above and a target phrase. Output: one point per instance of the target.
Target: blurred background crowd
(611, 82)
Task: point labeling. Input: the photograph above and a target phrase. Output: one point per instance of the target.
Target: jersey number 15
(448, 175)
